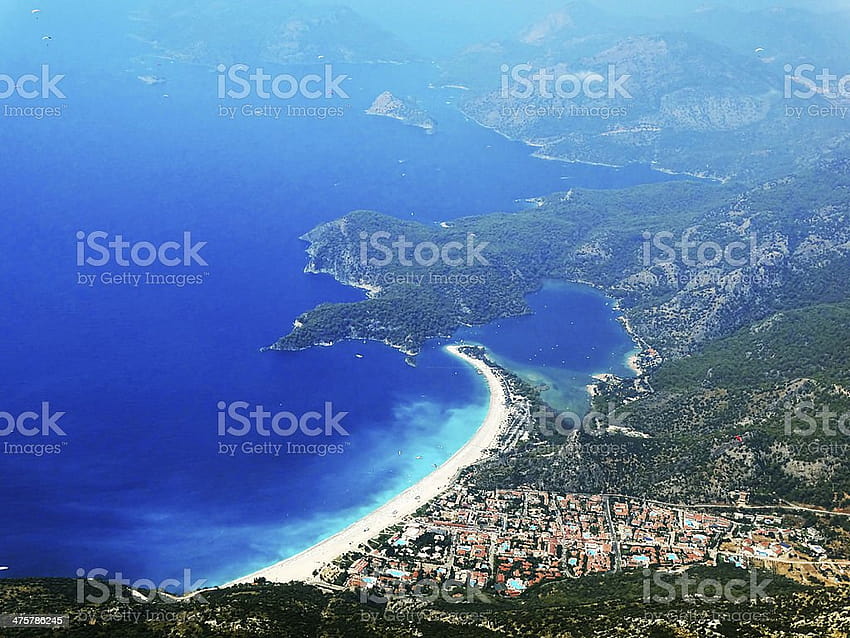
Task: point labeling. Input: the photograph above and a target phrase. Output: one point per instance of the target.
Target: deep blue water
(139, 486)
(571, 335)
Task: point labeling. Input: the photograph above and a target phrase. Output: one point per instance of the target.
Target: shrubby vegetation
(717, 421)
(794, 230)
(597, 606)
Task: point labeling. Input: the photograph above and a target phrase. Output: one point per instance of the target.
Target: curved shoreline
(302, 566)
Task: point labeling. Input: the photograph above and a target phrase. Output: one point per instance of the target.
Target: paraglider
(763, 55)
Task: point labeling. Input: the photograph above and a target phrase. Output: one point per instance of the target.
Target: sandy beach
(302, 566)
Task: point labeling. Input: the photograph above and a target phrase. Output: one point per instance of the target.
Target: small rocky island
(406, 111)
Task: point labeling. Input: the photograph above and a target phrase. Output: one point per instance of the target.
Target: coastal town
(506, 541)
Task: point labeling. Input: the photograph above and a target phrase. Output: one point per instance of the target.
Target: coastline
(302, 566)
(539, 154)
